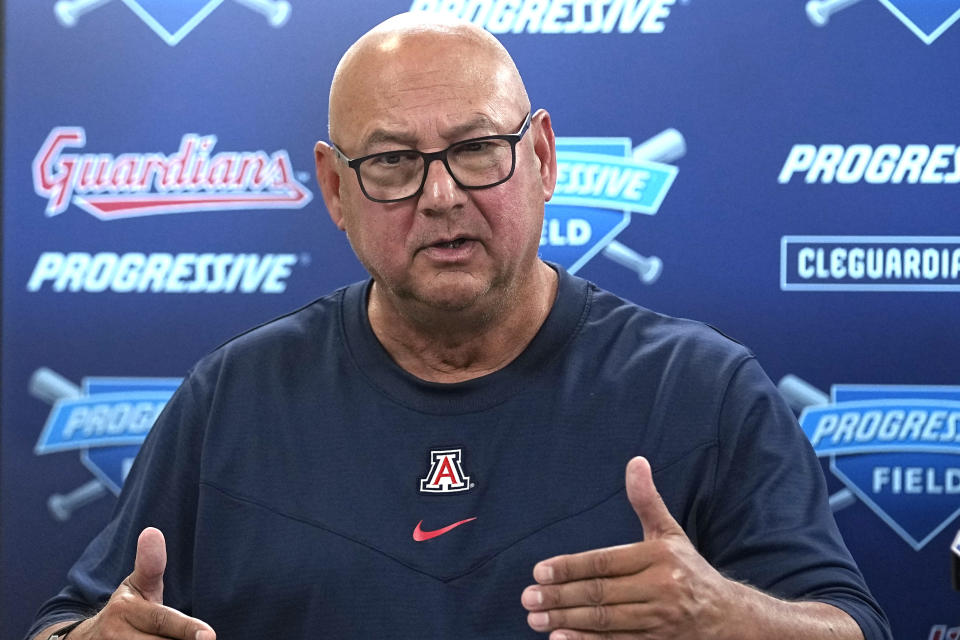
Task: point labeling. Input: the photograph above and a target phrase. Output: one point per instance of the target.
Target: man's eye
(395, 159)
(476, 146)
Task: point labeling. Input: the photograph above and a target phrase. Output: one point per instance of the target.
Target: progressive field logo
(172, 20)
(601, 182)
(896, 448)
(191, 179)
(105, 420)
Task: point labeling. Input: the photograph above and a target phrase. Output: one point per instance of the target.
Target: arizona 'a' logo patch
(446, 473)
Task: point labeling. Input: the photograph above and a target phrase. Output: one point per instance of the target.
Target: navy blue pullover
(290, 470)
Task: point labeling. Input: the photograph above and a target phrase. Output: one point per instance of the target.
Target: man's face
(447, 248)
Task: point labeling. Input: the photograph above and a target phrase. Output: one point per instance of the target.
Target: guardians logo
(896, 448)
(172, 20)
(144, 184)
(105, 420)
(601, 182)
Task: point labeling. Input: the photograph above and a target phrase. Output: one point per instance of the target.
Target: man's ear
(329, 180)
(545, 146)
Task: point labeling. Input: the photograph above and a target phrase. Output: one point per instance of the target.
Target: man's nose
(440, 191)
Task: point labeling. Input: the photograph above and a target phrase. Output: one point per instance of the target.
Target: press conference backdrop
(786, 171)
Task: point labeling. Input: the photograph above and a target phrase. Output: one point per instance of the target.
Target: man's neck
(457, 346)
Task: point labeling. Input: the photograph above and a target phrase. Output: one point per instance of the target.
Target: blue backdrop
(785, 171)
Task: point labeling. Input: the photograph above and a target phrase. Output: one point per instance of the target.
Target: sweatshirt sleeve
(770, 523)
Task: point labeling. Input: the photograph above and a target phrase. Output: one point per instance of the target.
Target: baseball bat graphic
(666, 146)
(69, 11)
(799, 394)
(647, 267)
(49, 386)
(277, 12)
(62, 505)
(819, 11)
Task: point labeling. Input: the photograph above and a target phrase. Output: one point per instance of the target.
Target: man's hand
(656, 589)
(662, 588)
(135, 610)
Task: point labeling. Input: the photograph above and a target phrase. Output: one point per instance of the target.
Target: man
(395, 459)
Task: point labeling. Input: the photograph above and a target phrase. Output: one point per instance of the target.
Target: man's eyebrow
(381, 136)
(479, 124)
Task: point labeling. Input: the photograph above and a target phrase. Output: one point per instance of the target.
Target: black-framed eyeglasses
(477, 163)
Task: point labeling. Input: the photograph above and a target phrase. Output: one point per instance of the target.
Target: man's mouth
(453, 244)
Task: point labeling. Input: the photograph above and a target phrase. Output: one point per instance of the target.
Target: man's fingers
(591, 592)
(646, 501)
(136, 609)
(147, 576)
(159, 620)
(569, 634)
(597, 563)
(617, 617)
(643, 588)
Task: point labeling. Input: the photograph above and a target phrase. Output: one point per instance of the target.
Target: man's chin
(475, 297)
(453, 295)
(449, 301)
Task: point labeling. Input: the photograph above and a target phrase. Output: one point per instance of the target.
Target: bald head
(449, 253)
(419, 60)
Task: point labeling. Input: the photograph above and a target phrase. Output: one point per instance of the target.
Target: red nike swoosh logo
(420, 535)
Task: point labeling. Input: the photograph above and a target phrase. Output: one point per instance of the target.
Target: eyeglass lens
(473, 163)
